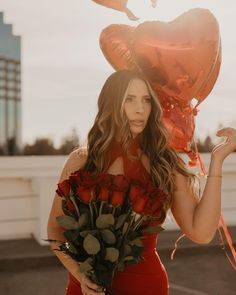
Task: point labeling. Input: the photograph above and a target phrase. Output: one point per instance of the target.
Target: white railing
(27, 188)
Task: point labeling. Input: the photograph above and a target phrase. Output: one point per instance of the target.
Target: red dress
(149, 276)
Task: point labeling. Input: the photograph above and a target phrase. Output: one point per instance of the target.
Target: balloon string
(199, 159)
(228, 237)
(223, 247)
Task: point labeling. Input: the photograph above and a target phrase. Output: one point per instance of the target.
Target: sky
(63, 68)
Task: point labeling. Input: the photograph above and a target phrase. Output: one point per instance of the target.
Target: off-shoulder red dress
(149, 276)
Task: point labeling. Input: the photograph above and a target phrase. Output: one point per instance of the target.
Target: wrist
(215, 167)
(78, 274)
(216, 159)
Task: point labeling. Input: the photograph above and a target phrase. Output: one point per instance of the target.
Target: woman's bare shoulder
(79, 156)
(75, 161)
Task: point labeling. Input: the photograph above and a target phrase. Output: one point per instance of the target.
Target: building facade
(10, 90)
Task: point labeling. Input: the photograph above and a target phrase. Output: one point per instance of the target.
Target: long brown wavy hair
(164, 161)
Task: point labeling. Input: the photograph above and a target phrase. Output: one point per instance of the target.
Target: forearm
(207, 213)
(70, 264)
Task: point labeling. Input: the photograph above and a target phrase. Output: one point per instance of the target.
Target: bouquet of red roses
(103, 221)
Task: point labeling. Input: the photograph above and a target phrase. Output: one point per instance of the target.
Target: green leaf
(72, 249)
(71, 235)
(127, 250)
(84, 233)
(136, 251)
(112, 254)
(102, 274)
(86, 266)
(108, 236)
(105, 220)
(65, 210)
(132, 235)
(128, 258)
(136, 242)
(133, 261)
(67, 222)
(121, 266)
(83, 220)
(120, 221)
(153, 229)
(91, 244)
(125, 227)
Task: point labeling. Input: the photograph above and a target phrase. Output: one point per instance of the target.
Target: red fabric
(149, 276)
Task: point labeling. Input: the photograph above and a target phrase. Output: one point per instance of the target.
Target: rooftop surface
(28, 268)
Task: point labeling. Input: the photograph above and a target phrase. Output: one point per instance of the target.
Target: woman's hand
(222, 150)
(88, 287)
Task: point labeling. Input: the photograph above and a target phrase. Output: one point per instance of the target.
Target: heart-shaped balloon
(115, 45)
(181, 60)
(183, 53)
(181, 57)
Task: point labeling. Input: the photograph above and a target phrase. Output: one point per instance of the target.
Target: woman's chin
(136, 131)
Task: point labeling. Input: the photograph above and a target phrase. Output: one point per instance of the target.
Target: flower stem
(100, 209)
(138, 222)
(91, 213)
(129, 226)
(113, 211)
(72, 198)
(95, 208)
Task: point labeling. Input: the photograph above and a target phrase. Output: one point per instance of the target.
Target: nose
(139, 107)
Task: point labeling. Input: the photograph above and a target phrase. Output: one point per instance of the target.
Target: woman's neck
(135, 137)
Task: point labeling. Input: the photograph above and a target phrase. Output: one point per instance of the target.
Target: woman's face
(137, 105)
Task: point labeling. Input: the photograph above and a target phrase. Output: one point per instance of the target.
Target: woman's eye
(148, 100)
(128, 99)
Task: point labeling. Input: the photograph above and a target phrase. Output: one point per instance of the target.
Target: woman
(128, 137)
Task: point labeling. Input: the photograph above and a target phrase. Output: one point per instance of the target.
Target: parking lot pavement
(200, 273)
(27, 268)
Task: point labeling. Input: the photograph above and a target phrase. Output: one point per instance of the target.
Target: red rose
(159, 195)
(75, 178)
(63, 189)
(104, 194)
(81, 177)
(105, 179)
(70, 206)
(117, 198)
(135, 192)
(152, 206)
(85, 194)
(139, 204)
(104, 183)
(150, 186)
(155, 201)
(119, 183)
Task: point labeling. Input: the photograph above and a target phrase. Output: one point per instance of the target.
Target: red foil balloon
(115, 45)
(181, 59)
(180, 56)
(179, 121)
(210, 82)
(120, 5)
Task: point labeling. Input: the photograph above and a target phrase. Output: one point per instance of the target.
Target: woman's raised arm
(199, 219)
